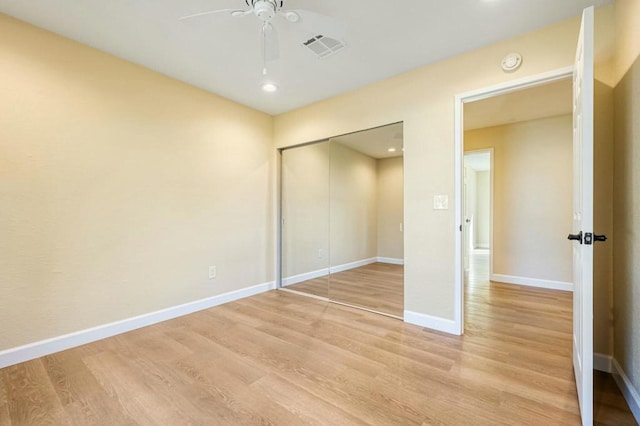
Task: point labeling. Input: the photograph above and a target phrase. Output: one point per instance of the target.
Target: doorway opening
(487, 116)
(478, 207)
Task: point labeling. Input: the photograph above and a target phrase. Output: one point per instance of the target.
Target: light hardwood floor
(283, 359)
(378, 286)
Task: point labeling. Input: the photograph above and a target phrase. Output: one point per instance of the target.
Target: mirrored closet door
(305, 219)
(342, 219)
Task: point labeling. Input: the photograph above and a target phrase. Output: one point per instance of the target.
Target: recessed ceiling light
(269, 87)
(391, 150)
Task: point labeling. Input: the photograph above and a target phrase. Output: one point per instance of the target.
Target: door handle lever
(602, 238)
(576, 237)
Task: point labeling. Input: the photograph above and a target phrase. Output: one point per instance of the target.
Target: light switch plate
(441, 202)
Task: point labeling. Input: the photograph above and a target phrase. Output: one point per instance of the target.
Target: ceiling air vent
(323, 47)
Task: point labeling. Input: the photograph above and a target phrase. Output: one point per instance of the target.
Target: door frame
(460, 100)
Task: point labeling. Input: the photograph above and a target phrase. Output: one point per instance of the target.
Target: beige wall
(626, 237)
(483, 209)
(118, 188)
(339, 206)
(603, 219)
(353, 206)
(305, 209)
(390, 208)
(423, 100)
(532, 198)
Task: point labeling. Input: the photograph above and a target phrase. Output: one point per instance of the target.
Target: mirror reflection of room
(354, 209)
(305, 219)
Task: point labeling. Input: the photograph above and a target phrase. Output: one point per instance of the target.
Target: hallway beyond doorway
(542, 320)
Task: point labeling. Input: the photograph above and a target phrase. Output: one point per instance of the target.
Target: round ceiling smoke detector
(511, 62)
(265, 10)
(292, 17)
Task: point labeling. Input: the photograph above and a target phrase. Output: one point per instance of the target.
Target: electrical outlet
(212, 272)
(320, 253)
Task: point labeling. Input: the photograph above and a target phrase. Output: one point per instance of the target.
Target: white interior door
(583, 218)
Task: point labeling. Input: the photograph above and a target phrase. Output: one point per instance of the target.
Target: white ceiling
(548, 100)
(375, 142)
(222, 55)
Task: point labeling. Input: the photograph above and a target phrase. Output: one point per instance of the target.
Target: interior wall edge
(34, 350)
(434, 323)
(603, 362)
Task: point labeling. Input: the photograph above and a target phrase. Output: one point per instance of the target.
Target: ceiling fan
(267, 10)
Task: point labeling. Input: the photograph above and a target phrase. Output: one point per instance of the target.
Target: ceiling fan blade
(233, 12)
(270, 43)
(316, 23)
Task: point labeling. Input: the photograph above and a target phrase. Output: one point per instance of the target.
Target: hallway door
(583, 237)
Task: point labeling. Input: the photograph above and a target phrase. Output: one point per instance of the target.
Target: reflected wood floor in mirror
(378, 286)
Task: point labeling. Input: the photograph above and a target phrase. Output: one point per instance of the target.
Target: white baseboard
(351, 265)
(532, 282)
(602, 362)
(627, 389)
(46, 347)
(390, 260)
(434, 323)
(295, 279)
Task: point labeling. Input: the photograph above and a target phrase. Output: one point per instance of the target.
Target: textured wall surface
(118, 188)
(390, 208)
(423, 99)
(626, 253)
(532, 196)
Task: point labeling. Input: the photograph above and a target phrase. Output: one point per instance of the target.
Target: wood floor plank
(524, 409)
(609, 408)
(4, 408)
(308, 407)
(97, 409)
(279, 359)
(242, 369)
(30, 396)
(135, 395)
(225, 387)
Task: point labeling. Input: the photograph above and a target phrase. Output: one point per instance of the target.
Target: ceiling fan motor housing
(265, 9)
